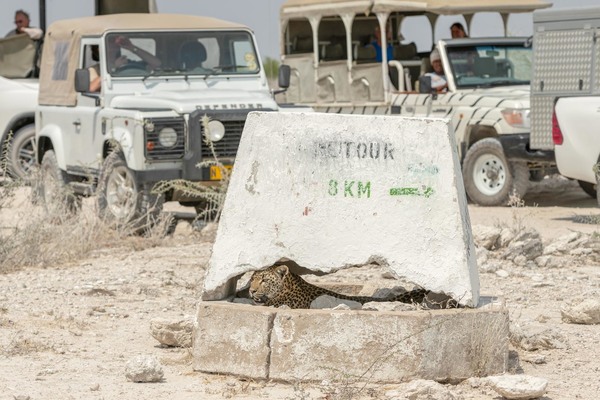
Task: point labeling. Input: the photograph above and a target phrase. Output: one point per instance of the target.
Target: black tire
(589, 188)
(490, 179)
(54, 190)
(21, 154)
(121, 201)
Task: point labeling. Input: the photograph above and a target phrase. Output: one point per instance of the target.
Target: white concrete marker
(333, 191)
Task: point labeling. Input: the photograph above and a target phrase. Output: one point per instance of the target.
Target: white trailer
(566, 69)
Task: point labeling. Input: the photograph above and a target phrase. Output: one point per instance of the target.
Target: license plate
(215, 172)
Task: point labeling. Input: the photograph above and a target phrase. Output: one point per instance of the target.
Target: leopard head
(266, 284)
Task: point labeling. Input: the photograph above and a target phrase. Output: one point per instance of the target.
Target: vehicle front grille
(228, 146)
(154, 150)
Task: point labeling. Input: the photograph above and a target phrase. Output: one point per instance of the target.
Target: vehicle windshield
(183, 53)
(490, 65)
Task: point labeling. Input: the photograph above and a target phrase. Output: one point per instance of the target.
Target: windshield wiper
(156, 72)
(504, 82)
(223, 68)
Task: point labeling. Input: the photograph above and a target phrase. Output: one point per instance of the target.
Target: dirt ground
(67, 330)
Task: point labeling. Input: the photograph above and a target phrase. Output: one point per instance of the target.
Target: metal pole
(42, 4)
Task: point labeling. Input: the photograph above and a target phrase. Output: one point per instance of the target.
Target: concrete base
(374, 346)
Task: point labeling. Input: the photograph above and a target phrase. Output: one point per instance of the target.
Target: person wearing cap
(438, 78)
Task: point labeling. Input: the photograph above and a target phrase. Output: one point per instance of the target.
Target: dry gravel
(67, 331)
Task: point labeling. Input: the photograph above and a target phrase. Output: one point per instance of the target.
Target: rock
(520, 260)
(144, 368)
(581, 251)
(421, 389)
(587, 312)
(502, 273)
(563, 244)
(486, 236)
(536, 337)
(183, 229)
(341, 307)
(506, 236)
(209, 231)
(483, 255)
(173, 333)
(553, 261)
(327, 301)
(527, 244)
(518, 386)
(534, 358)
(490, 266)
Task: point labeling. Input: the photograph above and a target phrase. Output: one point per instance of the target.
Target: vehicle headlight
(167, 137)
(517, 117)
(216, 131)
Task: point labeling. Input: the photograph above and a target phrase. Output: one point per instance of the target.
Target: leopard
(278, 286)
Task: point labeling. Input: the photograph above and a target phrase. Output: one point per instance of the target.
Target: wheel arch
(474, 134)
(16, 123)
(120, 139)
(51, 138)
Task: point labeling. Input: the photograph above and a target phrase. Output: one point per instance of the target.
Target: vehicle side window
(61, 61)
(90, 56)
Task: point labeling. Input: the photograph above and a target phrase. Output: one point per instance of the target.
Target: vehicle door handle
(77, 123)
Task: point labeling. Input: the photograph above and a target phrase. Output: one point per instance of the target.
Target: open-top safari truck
(334, 68)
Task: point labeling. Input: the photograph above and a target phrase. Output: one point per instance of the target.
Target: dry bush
(20, 345)
(45, 238)
(210, 197)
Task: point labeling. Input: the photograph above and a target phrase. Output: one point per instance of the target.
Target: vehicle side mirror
(82, 80)
(284, 76)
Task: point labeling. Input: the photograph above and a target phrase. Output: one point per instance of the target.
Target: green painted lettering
(364, 188)
(333, 187)
(348, 188)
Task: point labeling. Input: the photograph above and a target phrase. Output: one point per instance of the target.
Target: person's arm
(34, 33)
(152, 60)
(95, 80)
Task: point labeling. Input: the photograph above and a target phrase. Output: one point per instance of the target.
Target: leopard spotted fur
(277, 286)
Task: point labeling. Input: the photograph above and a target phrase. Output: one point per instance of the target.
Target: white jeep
(18, 98)
(160, 75)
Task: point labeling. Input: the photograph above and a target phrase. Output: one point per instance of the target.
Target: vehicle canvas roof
(58, 87)
(303, 8)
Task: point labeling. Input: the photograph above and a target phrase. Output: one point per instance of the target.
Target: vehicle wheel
(58, 198)
(21, 155)
(589, 188)
(489, 179)
(121, 201)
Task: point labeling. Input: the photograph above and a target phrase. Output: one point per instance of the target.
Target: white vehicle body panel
(579, 121)
(19, 98)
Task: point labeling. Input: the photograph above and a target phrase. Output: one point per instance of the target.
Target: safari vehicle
(160, 75)
(19, 91)
(334, 69)
(565, 94)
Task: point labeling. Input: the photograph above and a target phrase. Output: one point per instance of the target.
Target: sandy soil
(67, 331)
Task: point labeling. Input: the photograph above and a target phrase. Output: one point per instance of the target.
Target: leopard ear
(282, 270)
